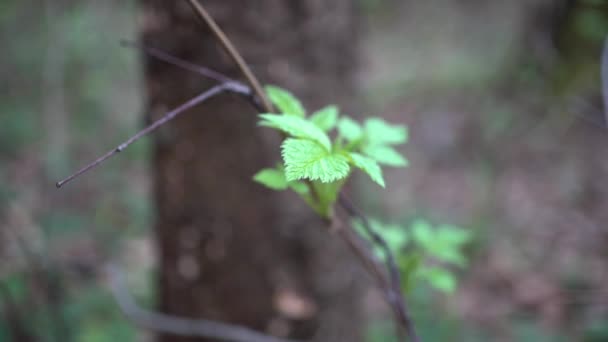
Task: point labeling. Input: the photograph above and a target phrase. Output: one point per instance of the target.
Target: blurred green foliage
(69, 93)
(423, 253)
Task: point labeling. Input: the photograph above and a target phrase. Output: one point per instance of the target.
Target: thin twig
(201, 70)
(218, 89)
(164, 323)
(232, 52)
(395, 297)
(163, 56)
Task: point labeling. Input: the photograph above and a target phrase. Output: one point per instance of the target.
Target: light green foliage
(369, 166)
(310, 155)
(349, 129)
(285, 102)
(443, 243)
(306, 159)
(271, 178)
(379, 135)
(385, 155)
(296, 127)
(378, 132)
(326, 118)
(423, 252)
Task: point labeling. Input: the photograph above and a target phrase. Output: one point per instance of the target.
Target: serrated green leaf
(379, 132)
(325, 118)
(285, 102)
(296, 127)
(349, 129)
(271, 178)
(306, 159)
(369, 166)
(385, 155)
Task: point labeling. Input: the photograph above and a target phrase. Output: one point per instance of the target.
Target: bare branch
(164, 323)
(165, 57)
(232, 52)
(218, 89)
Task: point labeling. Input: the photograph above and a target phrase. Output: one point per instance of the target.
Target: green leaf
(409, 264)
(299, 187)
(385, 155)
(442, 244)
(379, 132)
(369, 166)
(325, 118)
(454, 235)
(439, 278)
(349, 129)
(297, 127)
(271, 178)
(326, 195)
(422, 232)
(306, 159)
(285, 102)
(395, 236)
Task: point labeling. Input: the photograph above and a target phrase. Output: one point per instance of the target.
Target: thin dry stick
(232, 51)
(165, 57)
(220, 88)
(160, 322)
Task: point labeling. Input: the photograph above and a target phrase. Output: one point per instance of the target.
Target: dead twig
(234, 87)
(232, 52)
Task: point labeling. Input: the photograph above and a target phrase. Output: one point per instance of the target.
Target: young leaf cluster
(423, 252)
(320, 150)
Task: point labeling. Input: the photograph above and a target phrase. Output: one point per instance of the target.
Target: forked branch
(230, 86)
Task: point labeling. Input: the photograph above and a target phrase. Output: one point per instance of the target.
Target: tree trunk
(231, 250)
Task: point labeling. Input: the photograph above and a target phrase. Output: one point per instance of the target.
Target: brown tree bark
(231, 250)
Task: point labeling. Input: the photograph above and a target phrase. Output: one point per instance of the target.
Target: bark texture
(231, 250)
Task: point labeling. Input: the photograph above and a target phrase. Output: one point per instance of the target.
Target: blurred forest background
(508, 140)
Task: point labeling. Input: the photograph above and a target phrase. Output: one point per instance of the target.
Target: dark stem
(395, 296)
